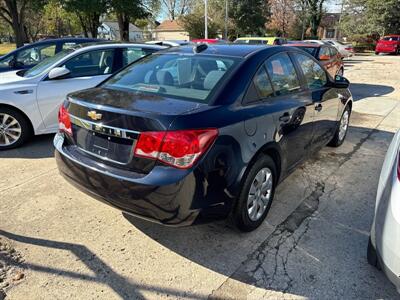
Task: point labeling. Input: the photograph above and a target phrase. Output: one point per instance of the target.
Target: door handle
(318, 107)
(24, 92)
(285, 117)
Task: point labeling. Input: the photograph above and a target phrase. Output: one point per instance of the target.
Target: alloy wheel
(259, 194)
(10, 130)
(344, 124)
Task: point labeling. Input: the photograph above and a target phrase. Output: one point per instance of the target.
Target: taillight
(180, 149)
(349, 48)
(64, 122)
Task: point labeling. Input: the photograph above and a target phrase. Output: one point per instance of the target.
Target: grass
(5, 48)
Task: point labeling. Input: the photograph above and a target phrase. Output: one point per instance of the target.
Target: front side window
(5, 62)
(191, 77)
(324, 53)
(92, 63)
(313, 72)
(44, 65)
(283, 74)
(34, 55)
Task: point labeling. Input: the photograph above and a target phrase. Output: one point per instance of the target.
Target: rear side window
(91, 63)
(333, 51)
(313, 72)
(129, 55)
(283, 74)
(260, 87)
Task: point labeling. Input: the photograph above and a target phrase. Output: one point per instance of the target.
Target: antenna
(199, 48)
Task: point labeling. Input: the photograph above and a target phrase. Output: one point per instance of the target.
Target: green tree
(88, 13)
(14, 13)
(315, 12)
(249, 16)
(127, 11)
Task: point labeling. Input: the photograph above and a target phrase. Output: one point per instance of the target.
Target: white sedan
(29, 99)
(384, 243)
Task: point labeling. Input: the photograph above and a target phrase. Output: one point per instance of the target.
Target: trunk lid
(106, 123)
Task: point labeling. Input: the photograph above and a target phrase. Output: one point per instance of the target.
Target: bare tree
(176, 8)
(282, 15)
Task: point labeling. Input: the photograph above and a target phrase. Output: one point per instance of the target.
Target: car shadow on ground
(362, 90)
(40, 146)
(218, 245)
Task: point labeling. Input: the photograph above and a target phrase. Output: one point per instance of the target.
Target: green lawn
(5, 48)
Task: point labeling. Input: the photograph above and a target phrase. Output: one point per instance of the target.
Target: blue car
(201, 131)
(30, 55)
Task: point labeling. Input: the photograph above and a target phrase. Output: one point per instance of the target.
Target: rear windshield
(191, 77)
(310, 50)
(251, 42)
(391, 38)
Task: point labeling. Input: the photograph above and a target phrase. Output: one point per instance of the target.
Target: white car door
(86, 70)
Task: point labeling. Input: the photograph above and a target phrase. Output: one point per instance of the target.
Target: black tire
(372, 257)
(240, 215)
(336, 140)
(26, 129)
(376, 53)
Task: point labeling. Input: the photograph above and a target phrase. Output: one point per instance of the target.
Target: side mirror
(324, 57)
(58, 72)
(341, 82)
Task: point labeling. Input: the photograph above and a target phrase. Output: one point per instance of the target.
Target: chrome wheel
(344, 124)
(260, 194)
(10, 130)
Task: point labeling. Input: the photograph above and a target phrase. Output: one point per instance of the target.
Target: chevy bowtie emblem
(94, 115)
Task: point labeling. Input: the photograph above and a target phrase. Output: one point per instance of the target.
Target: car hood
(11, 77)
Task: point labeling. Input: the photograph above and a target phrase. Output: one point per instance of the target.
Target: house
(109, 30)
(170, 30)
(329, 27)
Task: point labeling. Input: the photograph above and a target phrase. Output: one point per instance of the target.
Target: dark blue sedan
(201, 131)
(30, 55)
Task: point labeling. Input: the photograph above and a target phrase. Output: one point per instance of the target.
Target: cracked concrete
(311, 246)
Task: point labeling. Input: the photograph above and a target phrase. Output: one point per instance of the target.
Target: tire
(241, 215)
(376, 53)
(17, 126)
(339, 137)
(372, 257)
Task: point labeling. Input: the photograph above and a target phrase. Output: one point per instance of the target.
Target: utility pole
(226, 20)
(205, 20)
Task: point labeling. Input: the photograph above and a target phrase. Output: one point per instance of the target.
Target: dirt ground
(58, 243)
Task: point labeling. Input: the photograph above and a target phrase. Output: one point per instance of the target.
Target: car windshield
(43, 65)
(391, 38)
(310, 50)
(190, 77)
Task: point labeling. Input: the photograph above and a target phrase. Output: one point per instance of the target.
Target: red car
(209, 41)
(388, 44)
(329, 56)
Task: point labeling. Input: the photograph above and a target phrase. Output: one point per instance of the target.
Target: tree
(176, 8)
(127, 11)
(370, 17)
(315, 10)
(14, 13)
(249, 16)
(88, 13)
(282, 16)
(194, 24)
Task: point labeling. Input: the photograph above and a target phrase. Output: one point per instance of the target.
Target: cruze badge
(94, 115)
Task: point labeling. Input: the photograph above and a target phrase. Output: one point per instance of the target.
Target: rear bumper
(170, 203)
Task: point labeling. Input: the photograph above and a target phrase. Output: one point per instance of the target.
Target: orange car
(329, 57)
